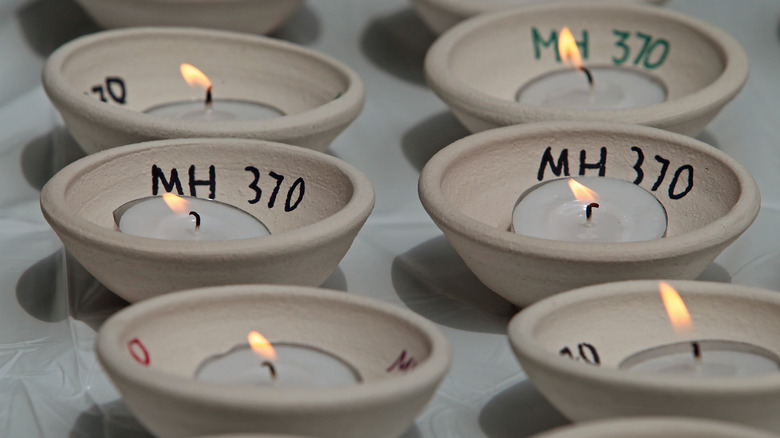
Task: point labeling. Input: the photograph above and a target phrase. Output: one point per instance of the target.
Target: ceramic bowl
(103, 83)
(440, 15)
(479, 67)
(306, 244)
(400, 356)
(251, 16)
(654, 427)
(620, 319)
(470, 188)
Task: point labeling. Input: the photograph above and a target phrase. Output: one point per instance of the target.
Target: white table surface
(50, 382)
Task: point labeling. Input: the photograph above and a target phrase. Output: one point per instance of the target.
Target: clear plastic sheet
(50, 382)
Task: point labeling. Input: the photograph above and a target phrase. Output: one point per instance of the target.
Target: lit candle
(596, 88)
(589, 209)
(705, 358)
(174, 217)
(210, 109)
(700, 358)
(277, 364)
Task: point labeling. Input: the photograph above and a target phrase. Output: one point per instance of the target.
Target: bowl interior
(140, 70)
(485, 180)
(504, 54)
(178, 337)
(284, 186)
(620, 322)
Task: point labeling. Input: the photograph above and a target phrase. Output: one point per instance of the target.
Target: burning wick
(588, 74)
(271, 368)
(197, 220)
(567, 50)
(696, 351)
(208, 94)
(589, 210)
(196, 78)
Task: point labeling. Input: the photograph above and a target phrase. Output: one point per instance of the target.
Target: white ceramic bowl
(318, 95)
(251, 16)
(470, 188)
(440, 15)
(654, 427)
(180, 330)
(619, 319)
(478, 67)
(305, 247)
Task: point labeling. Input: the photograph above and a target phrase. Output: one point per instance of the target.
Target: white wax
(614, 88)
(296, 365)
(718, 359)
(626, 212)
(220, 110)
(151, 217)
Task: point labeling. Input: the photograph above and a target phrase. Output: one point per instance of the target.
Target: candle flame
(176, 203)
(567, 48)
(194, 77)
(675, 308)
(261, 346)
(582, 193)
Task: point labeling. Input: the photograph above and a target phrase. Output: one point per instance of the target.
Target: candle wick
(589, 210)
(197, 220)
(271, 368)
(696, 350)
(588, 74)
(208, 96)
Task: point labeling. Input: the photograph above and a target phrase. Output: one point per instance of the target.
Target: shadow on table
(48, 24)
(716, 273)
(519, 411)
(302, 28)
(424, 139)
(46, 155)
(112, 420)
(88, 300)
(336, 281)
(397, 43)
(706, 137)
(412, 432)
(58, 286)
(40, 290)
(433, 281)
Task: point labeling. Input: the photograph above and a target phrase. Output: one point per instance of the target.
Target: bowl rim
(428, 372)
(521, 326)
(724, 228)
(468, 8)
(467, 99)
(58, 211)
(327, 116)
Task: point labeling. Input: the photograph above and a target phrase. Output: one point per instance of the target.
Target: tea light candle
(277, 364)
(613, 88)
(597, 88)
(174, 217)
(722, 358)
(211, 109)
(218, 110)
(706, 358)
(601, 210)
